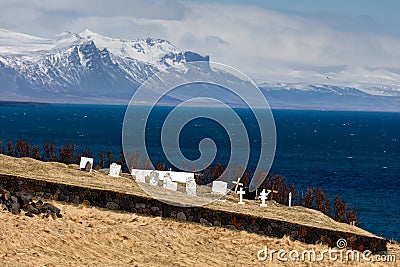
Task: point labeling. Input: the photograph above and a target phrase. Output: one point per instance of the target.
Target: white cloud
(265, 44)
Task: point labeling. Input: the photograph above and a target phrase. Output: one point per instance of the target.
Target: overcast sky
(280, 40)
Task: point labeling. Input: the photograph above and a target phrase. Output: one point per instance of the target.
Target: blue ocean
(353, 154)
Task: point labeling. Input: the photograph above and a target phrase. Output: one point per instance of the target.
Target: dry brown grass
(70, 174)
(89, 236)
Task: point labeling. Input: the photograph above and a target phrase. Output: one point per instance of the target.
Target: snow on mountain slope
(149, 50)
(91, 68)
(323, 96)
(18, 43)
(315, 88)
(377, 81)
(374, 81)
(85, 65)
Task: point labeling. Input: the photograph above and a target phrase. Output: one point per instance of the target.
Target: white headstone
(171, 186)
(115, 170)
(84, 161)
(219, 187)
(241, 192)
(154, 178)
(140, 175)
(166, 179)
(161, 174)
(264, 196)
(180, 177)
(191, 186)
(140, 178)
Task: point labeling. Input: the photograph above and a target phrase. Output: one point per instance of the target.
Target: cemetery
(68, 183)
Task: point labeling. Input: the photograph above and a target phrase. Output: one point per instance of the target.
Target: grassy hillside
(92, 236)
(70, 174)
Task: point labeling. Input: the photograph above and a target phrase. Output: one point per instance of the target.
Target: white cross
(241, 192)
(237, 183)
(263, 196)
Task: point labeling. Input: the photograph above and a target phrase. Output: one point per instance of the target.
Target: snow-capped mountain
(91, 68)
(81, 67)
(330, 97)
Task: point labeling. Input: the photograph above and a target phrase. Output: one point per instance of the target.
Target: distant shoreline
(23, 104)
(273, 107)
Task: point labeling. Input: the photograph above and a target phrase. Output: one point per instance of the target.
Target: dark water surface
(354, 154)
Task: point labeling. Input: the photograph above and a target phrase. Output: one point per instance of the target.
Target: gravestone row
(263, 197)
(169, 180)
(86, 164)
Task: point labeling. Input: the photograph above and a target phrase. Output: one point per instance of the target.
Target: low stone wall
(148, 206)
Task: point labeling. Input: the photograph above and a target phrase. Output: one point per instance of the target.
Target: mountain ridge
(87, 67)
